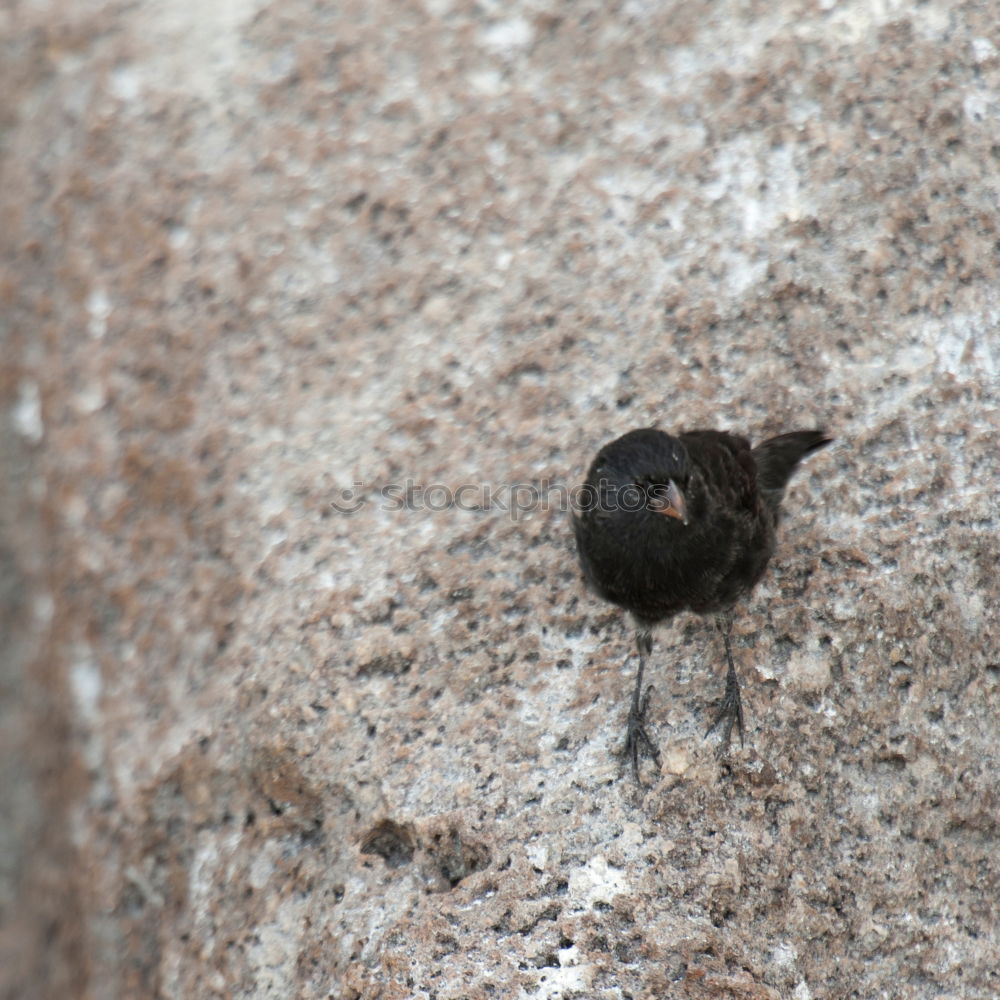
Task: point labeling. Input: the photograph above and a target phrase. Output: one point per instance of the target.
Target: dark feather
(778, 457)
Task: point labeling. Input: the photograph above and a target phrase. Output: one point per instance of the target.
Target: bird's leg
(636, 737)
(731, 708)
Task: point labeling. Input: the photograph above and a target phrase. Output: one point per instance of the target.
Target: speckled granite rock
(272, 732)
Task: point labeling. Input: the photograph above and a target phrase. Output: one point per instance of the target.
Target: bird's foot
(731, 713)
(637, 739)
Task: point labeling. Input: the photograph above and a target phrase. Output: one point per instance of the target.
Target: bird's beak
(671, 502)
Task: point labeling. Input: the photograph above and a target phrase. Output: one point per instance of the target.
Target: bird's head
(648, 470)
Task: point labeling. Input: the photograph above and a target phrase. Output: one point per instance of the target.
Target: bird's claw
(731, 710)
(636, 736)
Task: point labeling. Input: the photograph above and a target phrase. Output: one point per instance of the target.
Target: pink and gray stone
(279, 719)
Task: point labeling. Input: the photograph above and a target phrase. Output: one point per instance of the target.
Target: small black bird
(683, 523)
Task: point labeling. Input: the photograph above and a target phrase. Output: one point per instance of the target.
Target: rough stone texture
(256, 254)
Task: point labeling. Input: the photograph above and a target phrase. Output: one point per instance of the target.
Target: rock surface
(270, 730)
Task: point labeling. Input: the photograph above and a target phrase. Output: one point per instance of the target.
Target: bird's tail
(778, 457)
